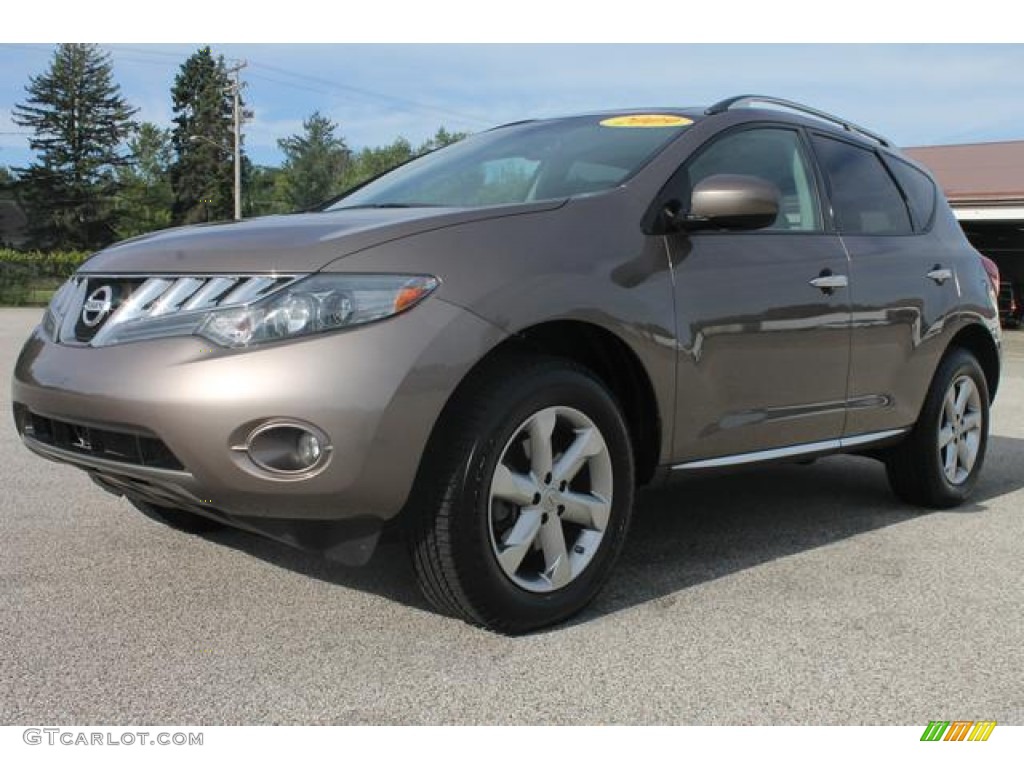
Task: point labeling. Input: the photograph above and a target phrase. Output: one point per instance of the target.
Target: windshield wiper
(387, 205)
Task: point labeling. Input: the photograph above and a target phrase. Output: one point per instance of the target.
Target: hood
(294, 243)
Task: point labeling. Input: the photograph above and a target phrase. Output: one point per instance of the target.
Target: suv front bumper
(375, 391)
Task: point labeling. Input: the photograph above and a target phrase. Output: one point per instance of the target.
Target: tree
(146, 195)
(373, 161)
(12, 218)
(315, 162)
(202, 175)
(442, 138)
(79, 122)
(267, 192)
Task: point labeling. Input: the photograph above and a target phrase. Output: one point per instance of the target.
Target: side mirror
(729, 201)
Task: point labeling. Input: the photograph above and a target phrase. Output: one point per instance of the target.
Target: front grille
(119, 290)
(112, 445)
(91, 307)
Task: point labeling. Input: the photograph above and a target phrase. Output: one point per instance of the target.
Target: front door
(763, 317)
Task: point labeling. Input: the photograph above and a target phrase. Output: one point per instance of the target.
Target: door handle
(939, 275)
(828, 282)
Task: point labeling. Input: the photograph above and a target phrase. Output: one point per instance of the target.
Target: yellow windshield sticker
(646, 121)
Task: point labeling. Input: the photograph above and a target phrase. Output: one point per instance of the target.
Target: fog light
(287, 448)
(309, 449)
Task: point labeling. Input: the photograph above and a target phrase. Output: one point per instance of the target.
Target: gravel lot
(801, 594)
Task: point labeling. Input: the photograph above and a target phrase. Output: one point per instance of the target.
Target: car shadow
(694, 529)
(700, 529)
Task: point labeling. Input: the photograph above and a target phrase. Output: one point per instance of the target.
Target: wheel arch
(619, 368)
(977, 340)
(611, 360)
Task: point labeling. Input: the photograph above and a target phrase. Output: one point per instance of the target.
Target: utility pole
(236, 92)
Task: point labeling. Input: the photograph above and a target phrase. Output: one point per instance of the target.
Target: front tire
(938, 464)
(524, 496)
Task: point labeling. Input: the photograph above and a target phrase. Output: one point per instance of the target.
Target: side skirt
(840, 445)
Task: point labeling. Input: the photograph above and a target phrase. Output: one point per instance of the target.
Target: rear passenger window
(919, 190)
(865, 199)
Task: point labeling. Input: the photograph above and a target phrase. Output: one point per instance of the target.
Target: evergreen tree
(442, 138)
(146, 195)
(11, 217)
(7, 181)
(79, 122)
(202, 175)
(315, 162)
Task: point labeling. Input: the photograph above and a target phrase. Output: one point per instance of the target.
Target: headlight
(314, 305)
(58, 307)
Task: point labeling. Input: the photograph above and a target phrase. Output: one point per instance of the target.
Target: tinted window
(919, 190)
(865, 199)
(772, 154)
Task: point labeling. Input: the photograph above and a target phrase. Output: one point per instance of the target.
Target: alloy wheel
(550, 499)
(960, 425)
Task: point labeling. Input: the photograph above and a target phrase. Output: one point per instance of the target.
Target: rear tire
(524, 496)
(938, 463)
(179, 519)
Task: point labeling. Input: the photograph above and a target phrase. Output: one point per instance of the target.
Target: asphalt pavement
(789, 595)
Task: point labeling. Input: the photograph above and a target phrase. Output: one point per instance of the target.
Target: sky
(915, 94)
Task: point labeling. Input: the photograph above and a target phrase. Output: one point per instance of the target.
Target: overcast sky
(914, 94)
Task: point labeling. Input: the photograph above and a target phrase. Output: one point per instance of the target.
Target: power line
(374, 94)
(312, 89)
(326, 86)
(147, 51)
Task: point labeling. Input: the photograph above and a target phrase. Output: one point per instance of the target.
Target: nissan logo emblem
(97, 306)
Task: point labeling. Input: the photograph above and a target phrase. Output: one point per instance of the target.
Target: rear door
(903, 286)
(763, 350)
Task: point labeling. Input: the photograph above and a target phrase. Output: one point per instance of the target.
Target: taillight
(992, 270)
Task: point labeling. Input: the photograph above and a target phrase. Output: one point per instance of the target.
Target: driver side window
(775, 155)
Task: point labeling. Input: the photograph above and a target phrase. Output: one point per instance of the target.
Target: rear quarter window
(919, 190)
(865, 199)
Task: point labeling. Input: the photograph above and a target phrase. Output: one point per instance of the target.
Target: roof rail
(727, 104)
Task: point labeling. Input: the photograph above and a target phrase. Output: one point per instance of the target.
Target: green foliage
(315, 162)
(442, 138)
(373, 161)
(79, 121)
(29, 278)
(146, 195)
(266, 193)
(202, 175)
(84, 191)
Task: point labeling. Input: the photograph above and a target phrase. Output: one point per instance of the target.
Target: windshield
(524, 162)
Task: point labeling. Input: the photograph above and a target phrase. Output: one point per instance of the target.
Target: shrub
(29, 278)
